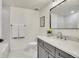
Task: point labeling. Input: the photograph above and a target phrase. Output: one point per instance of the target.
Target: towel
(22, 31)
(15, 31)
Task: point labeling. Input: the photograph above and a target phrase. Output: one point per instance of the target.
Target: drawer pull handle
(61, 55)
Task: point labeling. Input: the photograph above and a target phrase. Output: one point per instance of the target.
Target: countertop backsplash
(73, 38)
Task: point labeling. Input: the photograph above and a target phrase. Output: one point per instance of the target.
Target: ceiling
(67, 8)
(32, 4)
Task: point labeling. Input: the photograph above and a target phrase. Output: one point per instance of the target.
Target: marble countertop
(68, 46)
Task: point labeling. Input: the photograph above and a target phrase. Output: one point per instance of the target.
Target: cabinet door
(42, 53)
(62, 54)
(51, 56)
(40, 42)
(49, 48)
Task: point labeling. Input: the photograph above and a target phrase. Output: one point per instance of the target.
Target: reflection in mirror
(66, 15)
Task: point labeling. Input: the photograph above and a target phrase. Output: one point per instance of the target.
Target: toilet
(31, 46)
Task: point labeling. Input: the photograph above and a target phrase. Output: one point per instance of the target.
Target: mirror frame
(50, 24)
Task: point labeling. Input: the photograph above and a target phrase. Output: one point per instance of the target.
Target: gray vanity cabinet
(42, 53)
(62, 54)
(50, 56)
(46, 50)
(50, 49)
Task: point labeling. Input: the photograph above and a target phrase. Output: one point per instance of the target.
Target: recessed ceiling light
(72, 12)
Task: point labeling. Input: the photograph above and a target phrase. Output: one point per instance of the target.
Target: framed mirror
(65, 15)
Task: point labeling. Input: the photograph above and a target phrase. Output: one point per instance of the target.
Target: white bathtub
(4, 50)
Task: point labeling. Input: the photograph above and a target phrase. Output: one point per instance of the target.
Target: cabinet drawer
(40, 43)
(61, 54)
(49, 48)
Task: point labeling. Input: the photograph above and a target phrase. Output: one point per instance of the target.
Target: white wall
(28, 17)
(68, 32)
(0, 18)
(44, 12)
(4, 30)
(6, 23)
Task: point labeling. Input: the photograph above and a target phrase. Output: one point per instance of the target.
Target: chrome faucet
(60, 35)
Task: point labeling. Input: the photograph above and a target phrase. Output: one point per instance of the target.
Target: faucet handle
(59, 35)
(65, 37)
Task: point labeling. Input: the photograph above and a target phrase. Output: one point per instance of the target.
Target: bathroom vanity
(51, 47)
